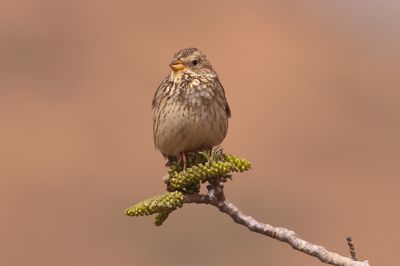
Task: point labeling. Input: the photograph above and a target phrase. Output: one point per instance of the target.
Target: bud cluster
(203, 172)
(203, 167)
(161, 205)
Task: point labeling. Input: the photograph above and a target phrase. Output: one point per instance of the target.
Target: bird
(190, 109)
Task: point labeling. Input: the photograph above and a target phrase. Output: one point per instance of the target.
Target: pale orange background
(314, 92)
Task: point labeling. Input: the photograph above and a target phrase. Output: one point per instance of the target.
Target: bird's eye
(195, 62)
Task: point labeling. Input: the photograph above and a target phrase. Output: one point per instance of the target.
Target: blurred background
(314, 92)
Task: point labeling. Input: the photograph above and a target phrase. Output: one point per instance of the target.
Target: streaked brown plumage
(190, 111)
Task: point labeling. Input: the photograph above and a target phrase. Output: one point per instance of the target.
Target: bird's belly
(190, 129)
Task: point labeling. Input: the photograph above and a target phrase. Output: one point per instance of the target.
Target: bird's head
(191, 60)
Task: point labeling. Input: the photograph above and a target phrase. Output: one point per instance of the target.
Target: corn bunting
(190, 111)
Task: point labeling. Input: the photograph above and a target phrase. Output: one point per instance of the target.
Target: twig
(279, 233)
(183, 187)
(352, 248)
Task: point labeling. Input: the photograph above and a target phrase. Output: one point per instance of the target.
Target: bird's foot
(183, 160)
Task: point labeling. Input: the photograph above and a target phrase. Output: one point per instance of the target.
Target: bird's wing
(221, 90)
(157, 98)
(158, 93)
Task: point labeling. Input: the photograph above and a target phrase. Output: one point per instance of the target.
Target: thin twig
(352, 248)
(279, 233)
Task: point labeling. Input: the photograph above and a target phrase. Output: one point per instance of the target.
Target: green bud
(202, 167)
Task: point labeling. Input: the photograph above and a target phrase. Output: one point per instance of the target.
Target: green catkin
(205, 172)
(159, 204)
(203, 167)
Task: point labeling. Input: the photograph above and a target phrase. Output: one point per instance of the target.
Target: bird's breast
(188, 125)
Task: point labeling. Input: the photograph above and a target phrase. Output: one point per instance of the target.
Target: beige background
(314, 91)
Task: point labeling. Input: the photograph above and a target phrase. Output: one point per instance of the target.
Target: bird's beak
(177, 65)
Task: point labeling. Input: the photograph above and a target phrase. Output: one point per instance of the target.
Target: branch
(279, 233)
(214, 167)
(351, 247)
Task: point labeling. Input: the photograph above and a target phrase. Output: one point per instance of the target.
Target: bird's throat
(176, 74)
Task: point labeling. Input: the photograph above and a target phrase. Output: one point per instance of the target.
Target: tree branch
(217, 199)
(184, 185)
(351, 247)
